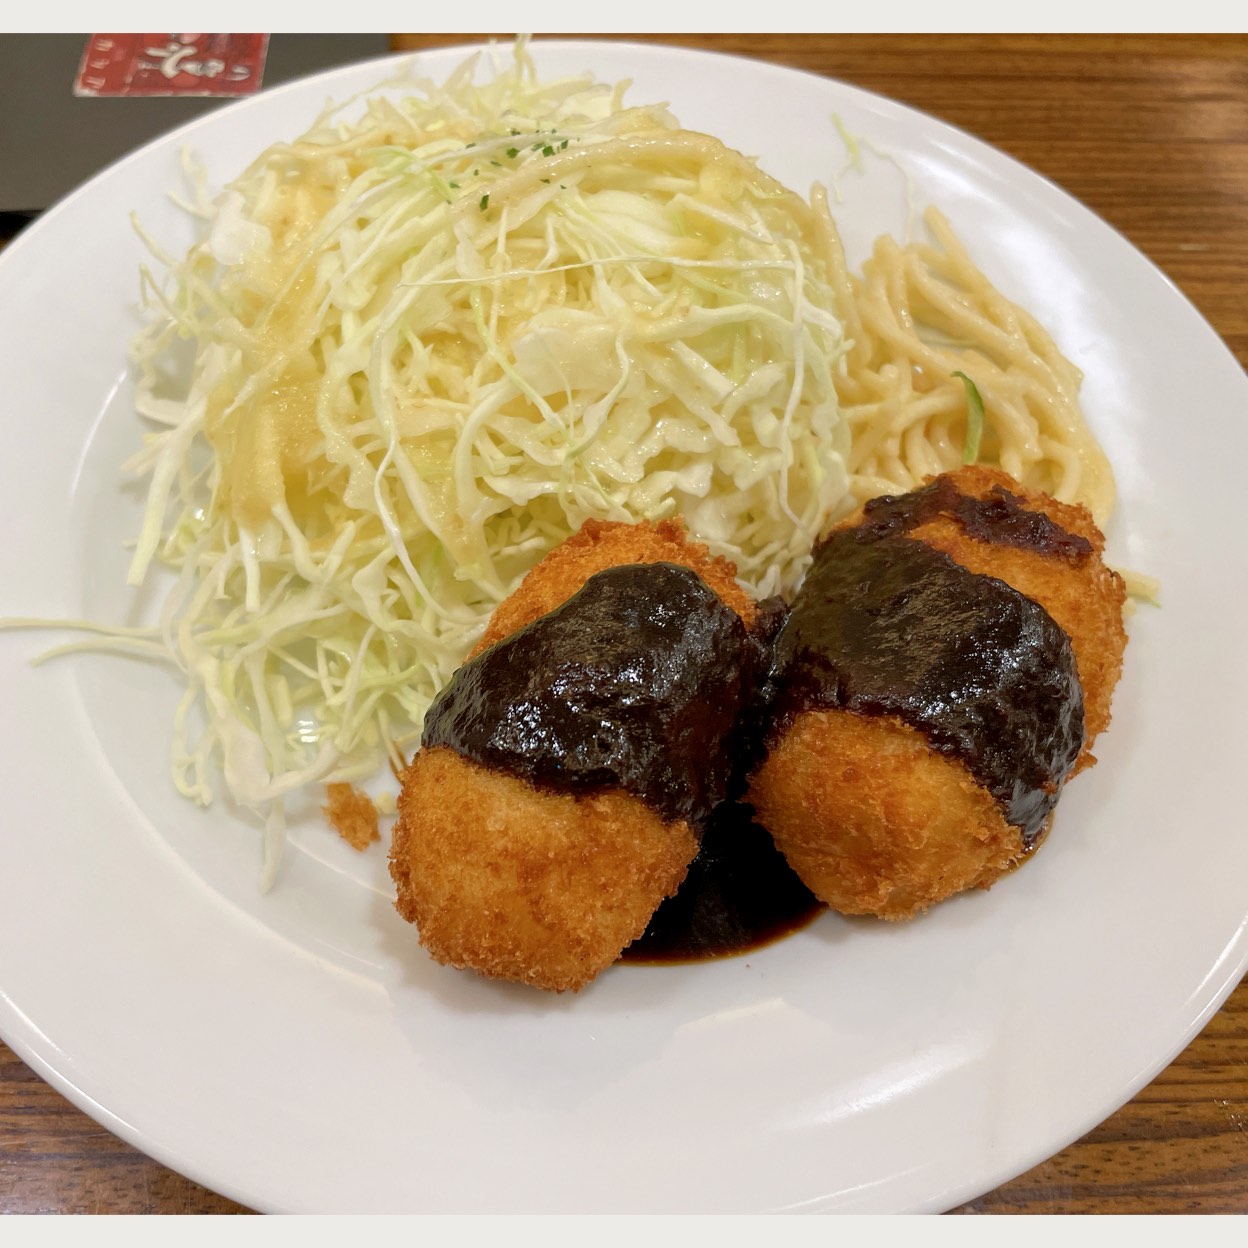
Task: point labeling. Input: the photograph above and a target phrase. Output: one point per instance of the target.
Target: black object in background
(51, 140)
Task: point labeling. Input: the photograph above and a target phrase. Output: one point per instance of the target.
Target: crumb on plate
(352, 814)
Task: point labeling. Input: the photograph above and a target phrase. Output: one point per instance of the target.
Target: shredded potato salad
(430, 341)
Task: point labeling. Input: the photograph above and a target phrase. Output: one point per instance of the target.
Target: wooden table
(1152, 133)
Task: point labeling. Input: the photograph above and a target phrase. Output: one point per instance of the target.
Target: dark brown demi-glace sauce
(885, 625)
(739, 895)
(1001, 519)
(636, 682)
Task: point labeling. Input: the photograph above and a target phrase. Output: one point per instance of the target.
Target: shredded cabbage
(429, 343)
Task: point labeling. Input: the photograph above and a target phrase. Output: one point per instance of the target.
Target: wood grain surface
(1151, 132)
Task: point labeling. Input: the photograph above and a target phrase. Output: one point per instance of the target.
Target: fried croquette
(567, 770)
(1071, 582)
(517, 883)
(884, 825)
(927, 713)
(601, 544)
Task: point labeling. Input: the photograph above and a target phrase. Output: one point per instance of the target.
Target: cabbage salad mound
(429, 343)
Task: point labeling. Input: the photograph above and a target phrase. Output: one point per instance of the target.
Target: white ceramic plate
(300, 1052)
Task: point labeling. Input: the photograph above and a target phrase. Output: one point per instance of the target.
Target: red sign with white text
(115, 65)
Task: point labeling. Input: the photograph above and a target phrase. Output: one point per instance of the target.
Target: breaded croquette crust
(1084, 597)
(543, 888)
(602, 544)
(873, 820)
